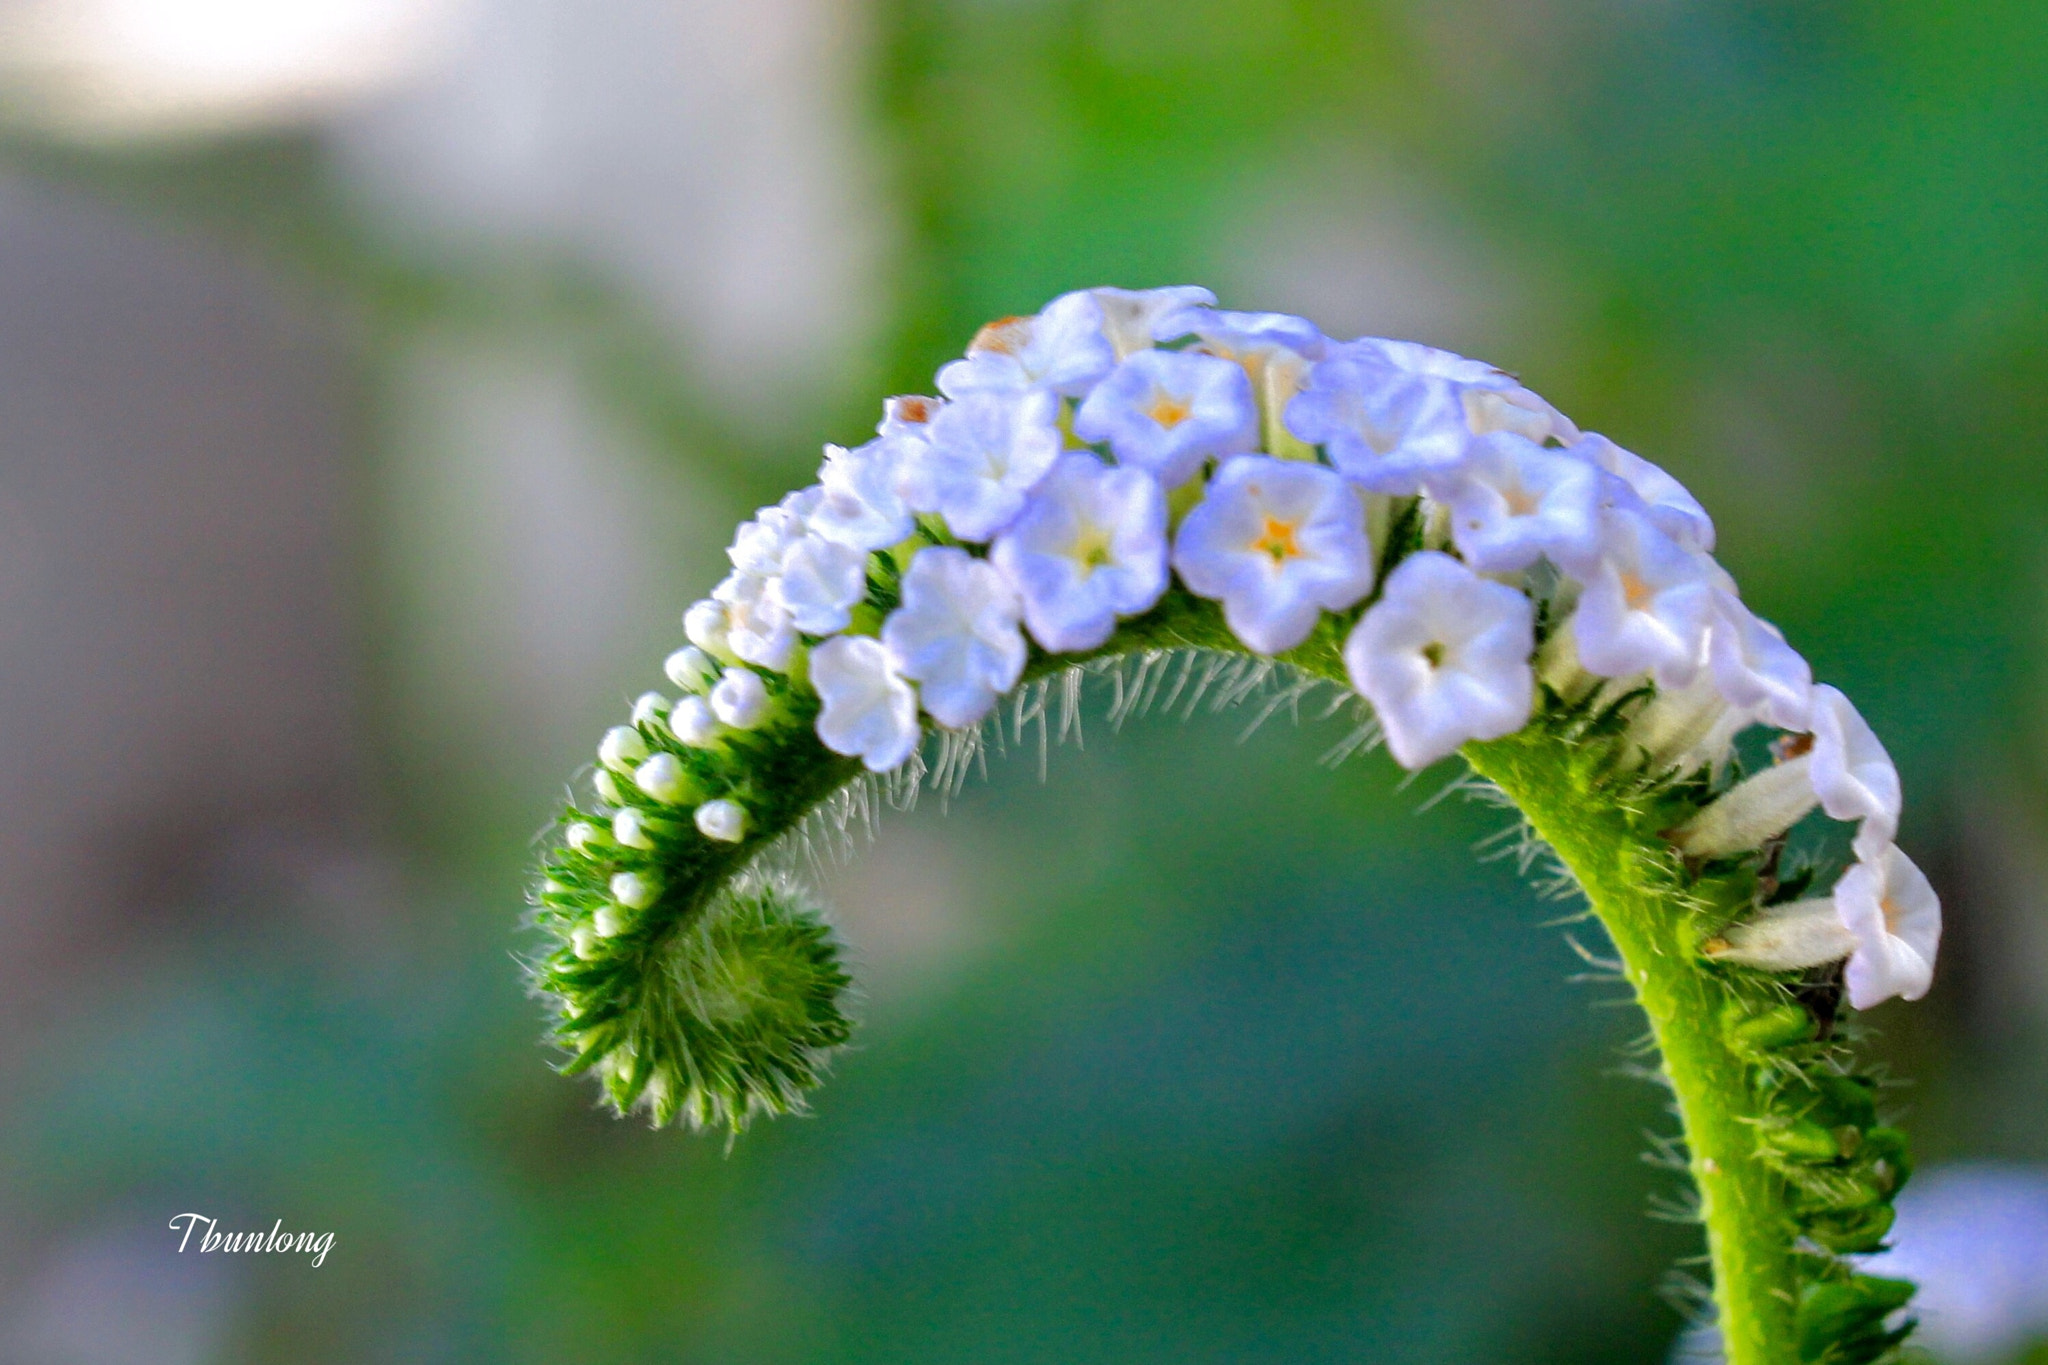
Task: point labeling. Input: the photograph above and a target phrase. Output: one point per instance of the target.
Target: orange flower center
(1278, 540)
(1636, 592)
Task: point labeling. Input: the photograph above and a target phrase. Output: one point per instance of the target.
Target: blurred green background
(381, 382)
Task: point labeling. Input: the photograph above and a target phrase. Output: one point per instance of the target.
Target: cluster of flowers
(1081, 459)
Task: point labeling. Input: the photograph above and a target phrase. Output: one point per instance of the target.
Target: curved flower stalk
(1139, 473)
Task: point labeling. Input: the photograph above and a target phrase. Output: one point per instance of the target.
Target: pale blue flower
(1166, 412)
(1089, 546)
(1648, 490)
(1277, 542)
(1382, 414)
(861, 502)
(1755, 669)
(985, 453)
(1065, 348)
(1443, 657)
(1852, 774)
(956, 634)
(1513, 502)
(822, 581)
(869, 712)
(1646, 604)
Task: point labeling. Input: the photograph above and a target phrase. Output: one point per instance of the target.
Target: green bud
(1778, 1027)
(1802, 1140)
(1845, 1320)
(1850, 1230)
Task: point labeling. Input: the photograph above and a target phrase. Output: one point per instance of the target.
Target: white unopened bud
(636, 890)
(1755, 809)
(723, 820)
(706, 623)
(693, 722)
(583, 836)
(622, 748)
(1558, 666)
(583, 941)
(649, 706)
(633, 828)
(608, 920)
(607, 787)
(740, 699)
(662, 777)
(690, 668)
(1785, 938)
(1677, 720)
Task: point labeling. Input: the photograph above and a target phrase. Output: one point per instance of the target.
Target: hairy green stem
(1742, 1202)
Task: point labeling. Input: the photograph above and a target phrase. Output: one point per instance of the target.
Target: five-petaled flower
(956, 634)
(1278, 542)
(1443, 656)
(1089, 546)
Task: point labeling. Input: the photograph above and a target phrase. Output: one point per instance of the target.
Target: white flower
(1135, 318)
(1167, 411)
(985, 453)
(822, 581)
(1514, 502)
(723, 820)
(1661, 499)
(740, 699)
(693, 722)
(689, 668)
(1277, 542)
(758, 628)
(1064, 348)
(1089, 546)
(662, 777)
(635, 890)
(648, 707)
(1646, 604)
(1382, 414)
(621, 748)
(706, 624)
(862, 501)
(758, 545)
(1887, 904)
(1443, 657)
(1755, 669)
(956, 634)
(1852, 774)
(870, 712)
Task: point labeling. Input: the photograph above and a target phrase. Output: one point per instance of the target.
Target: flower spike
(1138, 474)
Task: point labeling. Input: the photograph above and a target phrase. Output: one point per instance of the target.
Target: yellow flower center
(1636, 592)
(1168, 410)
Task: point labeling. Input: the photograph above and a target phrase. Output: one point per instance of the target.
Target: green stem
(1742, 1203)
